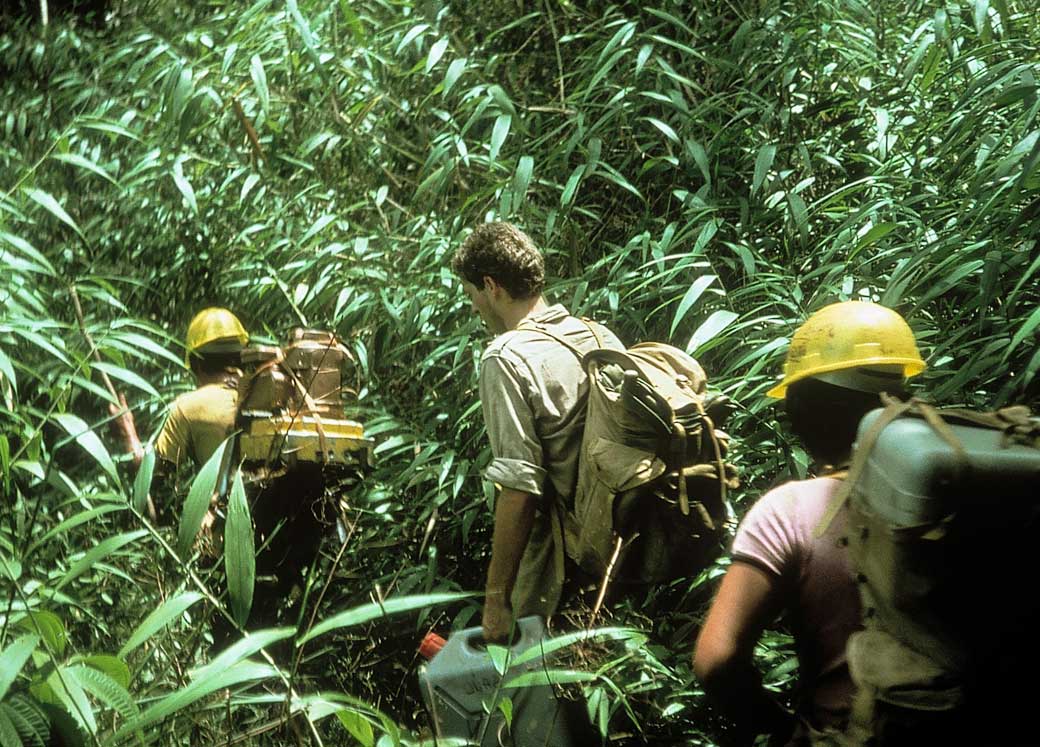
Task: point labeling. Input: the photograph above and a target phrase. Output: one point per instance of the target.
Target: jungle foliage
(700, 173)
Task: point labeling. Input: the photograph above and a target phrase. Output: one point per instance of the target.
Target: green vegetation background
(700, 173)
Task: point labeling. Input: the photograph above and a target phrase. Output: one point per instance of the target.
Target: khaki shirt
(199, 421)
(533, 392)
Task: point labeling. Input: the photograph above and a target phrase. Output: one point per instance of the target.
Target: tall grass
(698, 174)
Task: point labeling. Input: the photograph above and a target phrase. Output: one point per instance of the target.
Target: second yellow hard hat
(850, 335)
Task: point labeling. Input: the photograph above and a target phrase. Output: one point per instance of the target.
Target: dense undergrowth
(700, 173)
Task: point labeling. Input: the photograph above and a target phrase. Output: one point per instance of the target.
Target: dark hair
(504, 253)
(213, 363)
(825, 417)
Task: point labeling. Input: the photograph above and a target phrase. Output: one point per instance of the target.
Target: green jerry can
(942, 521)
(462, 689)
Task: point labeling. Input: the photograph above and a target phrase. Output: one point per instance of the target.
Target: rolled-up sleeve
(517, 453)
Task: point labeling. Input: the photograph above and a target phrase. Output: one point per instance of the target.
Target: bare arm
(514, 516)
(748, 599)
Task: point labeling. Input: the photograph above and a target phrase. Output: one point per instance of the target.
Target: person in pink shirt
(838, 363)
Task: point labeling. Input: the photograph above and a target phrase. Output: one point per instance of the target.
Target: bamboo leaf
(51, 205)
(13, 658)
(239, 650)
(763, 162)
(711, 327)
(259, 76)
(436, 52)
(375, 610)
(199, 688)
(203, 490)
(499, 134)
(545, 648)
(689, 299)
(127, 376)
(101, 550)
(172, 609)
(85, 164)
(184, 186)
(239, 554)
(454, 72)
(143, 481)
(88, 440)
(665, 128)
(73, 521)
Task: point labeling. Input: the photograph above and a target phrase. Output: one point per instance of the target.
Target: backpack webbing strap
(538, 327)
(894, 409)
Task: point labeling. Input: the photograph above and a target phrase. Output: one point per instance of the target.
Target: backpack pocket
(611, 469)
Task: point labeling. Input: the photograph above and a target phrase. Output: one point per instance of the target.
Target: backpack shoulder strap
(532, 326)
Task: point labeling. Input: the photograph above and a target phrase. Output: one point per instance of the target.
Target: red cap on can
(430, 645)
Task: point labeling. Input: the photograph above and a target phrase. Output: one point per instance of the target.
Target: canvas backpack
(651, 500)
(943, 514)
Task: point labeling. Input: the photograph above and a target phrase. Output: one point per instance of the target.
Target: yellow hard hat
(850, 335)
(214, 330)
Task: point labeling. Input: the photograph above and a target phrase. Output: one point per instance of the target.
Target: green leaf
(126, 376)
(48, 203)
(199, 688)
(375, 610)
(239, 554)
(7, 371)
(49, 627)
(712, 326)
(689, 299)
(547, 647)
(101, 550)
(359, 727)
(1023, 332)
(240, 649)
(88, 440)
(172, 609)
(413, 33)
(73, 521)
(700, 157)
(522, 177)
(763, 162)
(451, 77)
(571, 187)
(541, 677)
(799, 214)
(184, 185)
(259, 76)
(64, 690)
(13, 658)
(436, 52)
(143, 481)
(202, 491)
(9, 736)
(664, 128)
(112, 666)
(498, 134)
(86, 164)
(104, 688)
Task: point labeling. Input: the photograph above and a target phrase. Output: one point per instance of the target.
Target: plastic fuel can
(461, 688)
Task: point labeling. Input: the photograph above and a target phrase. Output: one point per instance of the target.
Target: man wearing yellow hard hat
(838, 363)
(200, 420)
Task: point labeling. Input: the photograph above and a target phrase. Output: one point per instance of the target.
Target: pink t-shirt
(821, 599)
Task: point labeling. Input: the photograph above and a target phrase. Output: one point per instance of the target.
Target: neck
(517, 310)
(217, 377)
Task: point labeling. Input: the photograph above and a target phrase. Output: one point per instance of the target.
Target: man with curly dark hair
(533, 392)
